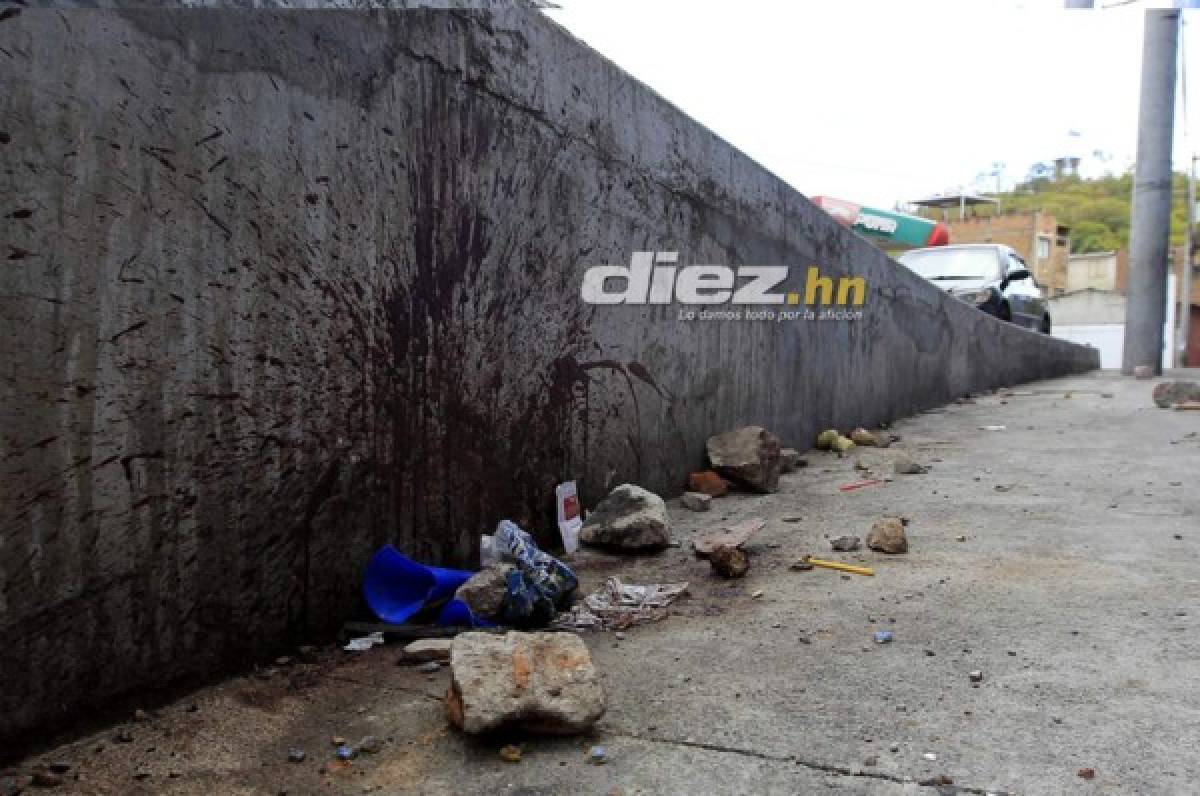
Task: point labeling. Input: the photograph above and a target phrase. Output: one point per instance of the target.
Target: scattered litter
(364, 642)
(539, 586)
(597, 755)
(845, 544)
(757, 594)
(618, 605)
(930, 756)
(1086, 773)
(344, 752)
(510, 754)
(733, 536)
(397, 588)
(729, 561)
(859, 484)
(975, 677)
(993, 428)
(296, 756)
(884, 637)
(817, 562)
(569, 521)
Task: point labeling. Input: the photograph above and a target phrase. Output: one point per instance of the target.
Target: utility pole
(1146, 308)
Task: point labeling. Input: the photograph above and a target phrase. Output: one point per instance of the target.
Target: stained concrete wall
(281, 287)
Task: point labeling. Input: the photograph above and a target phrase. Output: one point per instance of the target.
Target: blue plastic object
(883, 636)
(396, 587)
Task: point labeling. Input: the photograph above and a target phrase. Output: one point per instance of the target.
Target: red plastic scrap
(859, 484)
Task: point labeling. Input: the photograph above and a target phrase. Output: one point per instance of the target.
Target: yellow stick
(817, 562)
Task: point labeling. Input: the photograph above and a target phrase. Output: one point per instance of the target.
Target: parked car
(990, 276)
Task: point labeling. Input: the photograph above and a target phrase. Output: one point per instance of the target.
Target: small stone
(757, 594)
(894, 747)
(369, 745)
(696, 501)
(729, 562)
(510, 753)
(845, 544)
(706, 482)
(789, 460)
(428, 649)
(975, 676)
(860, 436)
(906, 465)
(597, 755)
(960, 538)
(619, 636)
(871, 761)
(1086, 773)
(888, 536)
(296, 756)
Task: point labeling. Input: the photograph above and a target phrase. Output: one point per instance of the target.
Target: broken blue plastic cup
(396, 587)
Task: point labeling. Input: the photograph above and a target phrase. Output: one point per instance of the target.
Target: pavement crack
(814, 765)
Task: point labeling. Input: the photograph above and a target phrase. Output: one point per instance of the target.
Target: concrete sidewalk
(1075, 592)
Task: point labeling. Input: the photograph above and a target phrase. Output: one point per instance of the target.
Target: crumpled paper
(618, 605)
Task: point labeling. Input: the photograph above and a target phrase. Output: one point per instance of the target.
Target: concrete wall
(278, 288)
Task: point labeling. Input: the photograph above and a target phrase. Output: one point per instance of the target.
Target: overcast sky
(877, 101)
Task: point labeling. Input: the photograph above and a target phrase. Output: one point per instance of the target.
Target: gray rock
(543, 682)
(428, 649)
(1170, 393)
(696, 501)
(845, 544)
(484, 591)
(888, 536)
(905, 465)
(630, 518)
(749, 455)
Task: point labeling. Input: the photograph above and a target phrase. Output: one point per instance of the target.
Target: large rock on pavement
(630, 518)
(1171, 393)
(888, 536)
(543, 682)
(484, 591)
(747, 455)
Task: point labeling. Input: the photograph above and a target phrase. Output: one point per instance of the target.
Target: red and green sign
(898, 228)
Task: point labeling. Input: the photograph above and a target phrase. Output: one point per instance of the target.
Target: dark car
(990, 276)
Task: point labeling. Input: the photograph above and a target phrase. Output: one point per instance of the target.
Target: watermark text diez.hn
(657, 278)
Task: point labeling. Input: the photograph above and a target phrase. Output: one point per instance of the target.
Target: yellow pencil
(817, 562)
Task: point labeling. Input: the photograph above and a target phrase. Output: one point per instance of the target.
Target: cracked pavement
(1074, 591)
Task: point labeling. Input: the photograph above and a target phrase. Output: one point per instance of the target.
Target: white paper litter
(619, 605)
(364, 642)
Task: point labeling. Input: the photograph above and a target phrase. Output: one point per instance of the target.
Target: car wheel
(1045, 327)
(1005, 313)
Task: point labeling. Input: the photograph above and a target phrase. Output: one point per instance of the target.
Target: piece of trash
(296, 756)
(992, 428)
(930, 756)
(817, 562)
(845, 544)
(859, 484)
(397, 588)
(364, 642)
(344, 752)
(883, 637)
(569, 520)
(539, 587)
(733, 536)
(729, 561)
(975, 676)
(597, 755)
(1086, 773)
(510, 753)
(618, 605)
(757, 594)
(960, 538)
(888, 536)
